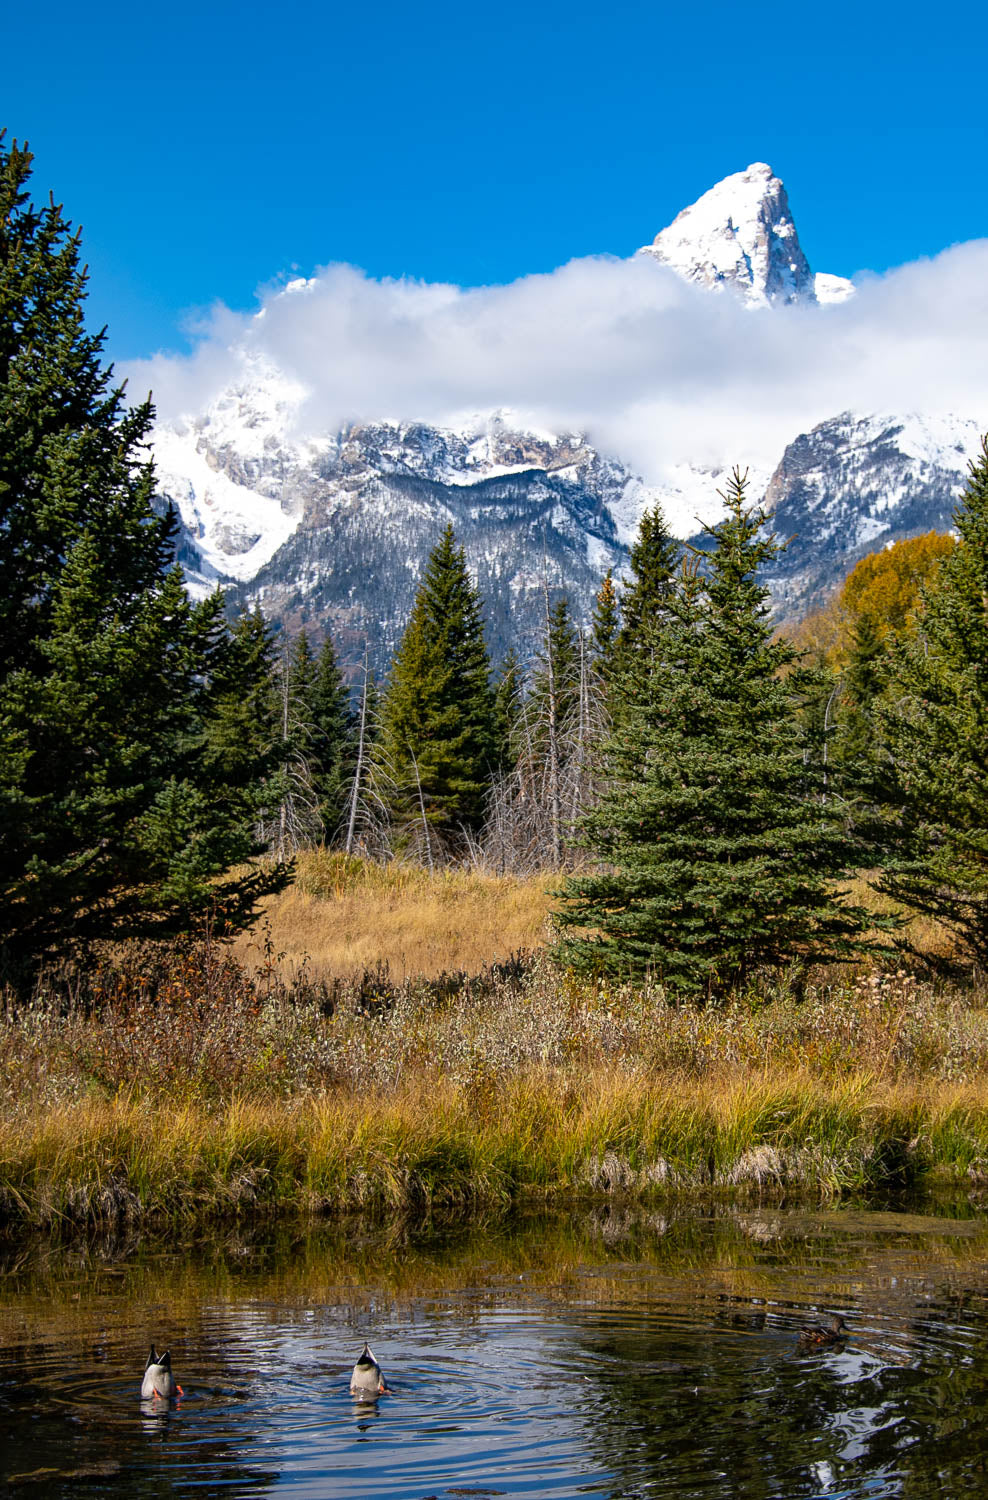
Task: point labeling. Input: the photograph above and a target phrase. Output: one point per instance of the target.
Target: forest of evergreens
(698, 784)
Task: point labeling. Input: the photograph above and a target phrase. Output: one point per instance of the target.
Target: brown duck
(832, 1330)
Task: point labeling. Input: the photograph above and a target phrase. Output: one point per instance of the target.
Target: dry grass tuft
(347, 915)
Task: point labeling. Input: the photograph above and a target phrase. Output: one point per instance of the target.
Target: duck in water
(832, 1330)
(367, 1379)
(159, 1382)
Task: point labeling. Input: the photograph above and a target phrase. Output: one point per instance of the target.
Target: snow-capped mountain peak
(740, 234)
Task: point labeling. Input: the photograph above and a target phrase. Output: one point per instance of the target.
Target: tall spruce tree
(654, 561)
(508, 708)
(605, 626)
(333, 747)
(719, 850)
(114, 819)
(935, 724)
(438, 738)
(556, 674)
(858, 743)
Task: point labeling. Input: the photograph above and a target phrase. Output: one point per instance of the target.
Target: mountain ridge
(331, 529)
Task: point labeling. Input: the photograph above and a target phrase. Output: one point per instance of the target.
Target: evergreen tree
(558, 658)
(935, 724)
(243, 721)
(605, 625)
(655, 557)
(858, 745)
(438, 734)
(113, 817)
(721, 850)
(508, 707)
(333, 750)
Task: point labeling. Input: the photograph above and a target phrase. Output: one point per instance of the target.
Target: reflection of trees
(731, 1410)
(708, 1414)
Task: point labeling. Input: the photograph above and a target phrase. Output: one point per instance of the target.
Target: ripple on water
(652, 1377)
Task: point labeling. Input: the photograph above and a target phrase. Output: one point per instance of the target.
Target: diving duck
(367, 1379)
(158, 1378)
(833, 1330)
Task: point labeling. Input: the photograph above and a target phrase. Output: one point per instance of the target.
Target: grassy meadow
(392, 1042)
(343, 916)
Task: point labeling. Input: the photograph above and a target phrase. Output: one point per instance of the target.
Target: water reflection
(627, 1356)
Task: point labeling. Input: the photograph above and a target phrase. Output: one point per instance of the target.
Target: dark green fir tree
(719, 850)
(654, 562)
(555, 692)
(333, 747)
(114, 817)
(858, 745)
(438, 738)
(935, 725)
(605, 626)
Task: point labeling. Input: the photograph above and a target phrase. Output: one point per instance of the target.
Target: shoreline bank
(538, 1140)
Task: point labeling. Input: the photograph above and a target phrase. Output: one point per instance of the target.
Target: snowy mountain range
(332, 529)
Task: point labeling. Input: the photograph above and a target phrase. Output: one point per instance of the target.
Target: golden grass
(347, 915)
(923, 933)
(545, 1136)
(182, 1087)
(344, 916)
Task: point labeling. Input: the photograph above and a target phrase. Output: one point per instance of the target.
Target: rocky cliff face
(856, 484)
(334, 534)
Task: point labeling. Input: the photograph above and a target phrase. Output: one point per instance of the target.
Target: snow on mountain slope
(858, 483)
(334, 534)
(690, 497)
(740, 234)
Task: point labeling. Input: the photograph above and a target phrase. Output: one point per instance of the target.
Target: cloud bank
(652, 368)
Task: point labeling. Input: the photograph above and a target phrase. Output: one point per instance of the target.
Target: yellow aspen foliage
(884, 588)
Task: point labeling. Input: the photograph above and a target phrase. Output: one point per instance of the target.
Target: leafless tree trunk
(555, 809)
(425, 822)
(296, 823)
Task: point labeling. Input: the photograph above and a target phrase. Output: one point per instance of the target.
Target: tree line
(700, 785)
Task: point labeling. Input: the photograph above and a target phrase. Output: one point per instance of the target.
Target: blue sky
(210, 149)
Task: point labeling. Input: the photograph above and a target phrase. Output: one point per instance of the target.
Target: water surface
(615, 1356)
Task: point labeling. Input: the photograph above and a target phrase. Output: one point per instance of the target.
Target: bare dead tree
(556, 767)
(552, 741)
(367, 823)
(296, 823)
(426, 835)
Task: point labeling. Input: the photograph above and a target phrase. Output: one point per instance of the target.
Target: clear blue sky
(209, 148)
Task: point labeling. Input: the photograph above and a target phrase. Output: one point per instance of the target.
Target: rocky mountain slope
(332, 529)
(528, 509)
(740, 235)
(855, 484)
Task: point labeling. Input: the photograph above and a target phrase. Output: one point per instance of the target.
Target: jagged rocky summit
(331, 530)
(740, 235)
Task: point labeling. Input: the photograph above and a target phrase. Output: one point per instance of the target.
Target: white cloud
(655, 369)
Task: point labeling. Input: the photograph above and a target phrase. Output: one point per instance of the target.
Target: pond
(611, 1354)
